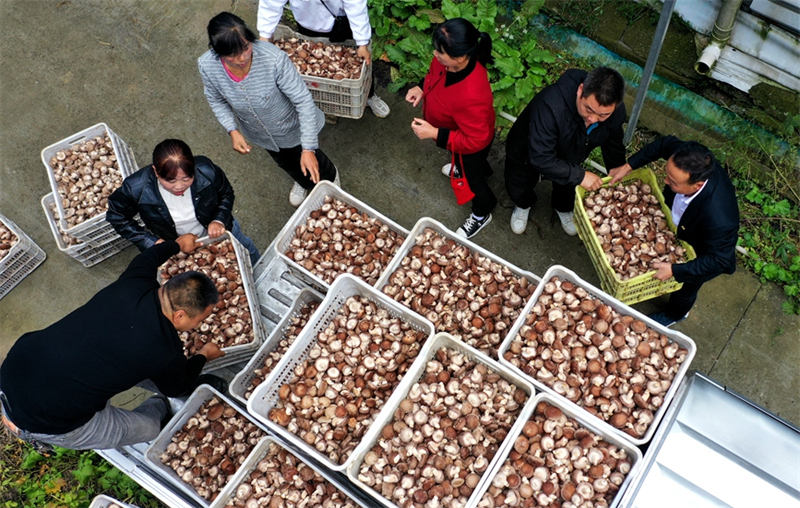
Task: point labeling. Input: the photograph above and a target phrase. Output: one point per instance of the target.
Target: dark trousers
(327, 35)
(682, 300)
(289, 160)
(477, 170)
(521, 179)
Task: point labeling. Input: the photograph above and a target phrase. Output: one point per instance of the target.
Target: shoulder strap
(327, 8)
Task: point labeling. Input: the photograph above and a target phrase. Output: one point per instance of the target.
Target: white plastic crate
(103, 501)
(682, 340)
(265, 396)
(417, 370)
(346, 97)
(97, 225)
(88, 254)
(238, 386)
(22, 259)
(159, 445)
(584, 420)
(316, 199)
(236, 354)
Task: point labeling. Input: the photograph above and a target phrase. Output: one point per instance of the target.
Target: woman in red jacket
(459, 115)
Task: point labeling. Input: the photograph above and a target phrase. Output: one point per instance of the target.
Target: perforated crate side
(23, 266)
(19, 250)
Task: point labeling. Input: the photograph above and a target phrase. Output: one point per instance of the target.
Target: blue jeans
(246, 242)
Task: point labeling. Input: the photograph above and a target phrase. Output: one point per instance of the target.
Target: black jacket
(551, 136)
(710, 223)
(212, 194)
(57, 378)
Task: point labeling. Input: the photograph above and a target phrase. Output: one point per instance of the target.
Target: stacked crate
(20, 260)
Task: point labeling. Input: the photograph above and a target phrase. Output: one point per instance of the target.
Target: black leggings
(289, 160)
(477, 170)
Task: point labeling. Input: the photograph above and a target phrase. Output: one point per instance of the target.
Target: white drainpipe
(723, 26)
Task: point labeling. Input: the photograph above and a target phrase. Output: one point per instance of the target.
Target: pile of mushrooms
(7, 240)
(443, 435)
(230, 323)
(86, 174)
(336, 238)
(632, 228)
(613, 365)
(322, 60)
(462, 293)
(211, 446)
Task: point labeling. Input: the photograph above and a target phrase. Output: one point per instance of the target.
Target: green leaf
(771, 271)
(486, 12)
(418, 23)
(450, 10)
(502, 84)
(395, 54)
(754, 196)
(530, 8)
(539, 55)
(434, 15)
(30, 460)
(509, 66)
(524, 88)
(84, 473)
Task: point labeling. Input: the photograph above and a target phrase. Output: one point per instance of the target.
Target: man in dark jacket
(704, 209)
(555, 134)
(56, 382)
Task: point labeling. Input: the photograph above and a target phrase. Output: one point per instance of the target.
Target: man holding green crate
(704, 209)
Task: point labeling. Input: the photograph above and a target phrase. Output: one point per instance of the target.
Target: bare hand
(663, 270)
(414, 96)
(160, 240)
(423, 129)
(310, 165)
(211, 351)
(215, 229)
(188, 243)
(363, 52)
(239, 143)
(591, 181)
(619, 173)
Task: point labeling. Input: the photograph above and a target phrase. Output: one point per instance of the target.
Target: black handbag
(341, 30)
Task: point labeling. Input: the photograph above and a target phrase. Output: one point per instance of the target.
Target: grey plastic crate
(88, 254)
(265, 396)
(677, 337)
(584, 420)
(238, 387)
(159, 445)
(22, 259)
(439, 228)
(236, 354)
(414, 374)
(88, 230)
(103, 501)
(316, 199)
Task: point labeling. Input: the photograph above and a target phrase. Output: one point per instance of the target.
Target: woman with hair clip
(178, 194)
(458, 114)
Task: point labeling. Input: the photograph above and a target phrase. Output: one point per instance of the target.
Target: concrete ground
(67, 65)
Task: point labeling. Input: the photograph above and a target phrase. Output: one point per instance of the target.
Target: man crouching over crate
(56, 383)
(703, 203)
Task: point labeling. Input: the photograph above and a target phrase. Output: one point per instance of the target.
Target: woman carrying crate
(178, 194)
(256, 93)
(459, 115)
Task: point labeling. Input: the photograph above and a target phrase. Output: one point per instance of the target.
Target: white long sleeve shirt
(312, 15)
(681, 203)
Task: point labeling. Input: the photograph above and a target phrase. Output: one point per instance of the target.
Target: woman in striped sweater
(256, 93)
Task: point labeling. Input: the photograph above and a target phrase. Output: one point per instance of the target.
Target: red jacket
(466, 108)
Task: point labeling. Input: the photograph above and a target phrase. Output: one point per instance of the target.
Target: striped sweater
(271, 105)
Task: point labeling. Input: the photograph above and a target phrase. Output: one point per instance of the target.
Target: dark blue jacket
(212, 195)
(710, 223)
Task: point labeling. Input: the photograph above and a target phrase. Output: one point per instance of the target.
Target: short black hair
(693, 158)
(606, 84)
(192, 292)
(228, 35)
(171, 156)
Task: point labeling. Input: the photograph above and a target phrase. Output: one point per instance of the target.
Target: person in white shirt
(336, 20)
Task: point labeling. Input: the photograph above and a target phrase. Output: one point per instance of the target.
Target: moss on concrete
(776, 101)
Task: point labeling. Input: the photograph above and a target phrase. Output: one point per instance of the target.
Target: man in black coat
(56, 382)
(704, 209)
(554, 135)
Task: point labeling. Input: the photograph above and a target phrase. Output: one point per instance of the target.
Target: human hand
(215, 229)
(211, 351)
(423, 129)
(619, 173)
(239, 143)
(310, 165)
(160, 240)
(663, 270)
(363, 52)
(188, 243)
(591, 181)
(414, 96)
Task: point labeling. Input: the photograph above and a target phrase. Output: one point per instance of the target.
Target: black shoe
(472, 226)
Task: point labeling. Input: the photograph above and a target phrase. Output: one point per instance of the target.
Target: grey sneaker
(472, 226)
(446, 169)
(519, 219)
(297, 195)
(378, 106)
(567, 223)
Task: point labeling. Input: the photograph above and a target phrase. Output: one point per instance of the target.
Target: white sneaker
(378, 106)
(297, 195)
(446, 169)
(519, 219)
(567, 223)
